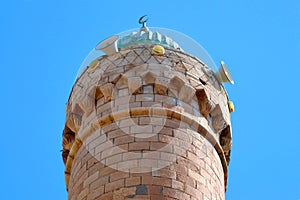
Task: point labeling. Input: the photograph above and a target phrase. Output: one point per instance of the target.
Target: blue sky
(44, 42)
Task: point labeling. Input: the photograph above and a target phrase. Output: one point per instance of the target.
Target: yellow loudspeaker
(223, 74)
(109, 45)
(231, 106)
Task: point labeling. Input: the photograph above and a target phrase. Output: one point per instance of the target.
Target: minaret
(148, 120)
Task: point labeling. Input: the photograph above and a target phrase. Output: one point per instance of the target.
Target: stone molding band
(190, 120)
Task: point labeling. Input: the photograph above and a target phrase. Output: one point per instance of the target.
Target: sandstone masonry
(146, 126)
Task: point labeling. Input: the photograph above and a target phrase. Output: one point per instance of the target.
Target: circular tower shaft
(147, 126)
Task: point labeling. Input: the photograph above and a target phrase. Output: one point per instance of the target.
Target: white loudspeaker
(109, 45)
(223, 74)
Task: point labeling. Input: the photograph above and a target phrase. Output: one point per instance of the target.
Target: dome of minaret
(147, 37)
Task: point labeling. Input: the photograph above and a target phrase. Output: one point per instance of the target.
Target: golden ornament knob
(158, 50)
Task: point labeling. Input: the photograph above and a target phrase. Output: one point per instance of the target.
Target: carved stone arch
(204, 102)
(68, 140)
(87, 103)
(149, 78)
(161, 85)
(182, 89)
(135, 85)
(73, 119)
(226, 142)
(107, 91)
(218, 120)
(77, 110)
(98, 94)
(121, 81)
(186, 93)
(175, 84)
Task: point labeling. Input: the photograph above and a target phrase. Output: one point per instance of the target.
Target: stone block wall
(146, 126)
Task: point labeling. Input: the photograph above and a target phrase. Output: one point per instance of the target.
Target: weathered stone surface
(151, 128)
(186, 93)
(88, 103)
(205, 105)
(107, 91)
(149, 77)
(161, 85)
(218, 120)
(98, 94)
(176, 82)
(68, 140)
(135, 85)
(121, 81)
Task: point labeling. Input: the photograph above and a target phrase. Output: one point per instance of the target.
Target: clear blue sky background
(44, 42)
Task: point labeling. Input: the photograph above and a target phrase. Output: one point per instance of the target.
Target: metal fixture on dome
(143, 21)
(146, 36)
(223, 74)
(231, 106)
(158, 50)
(109, 45)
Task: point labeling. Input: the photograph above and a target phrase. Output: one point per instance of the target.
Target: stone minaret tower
(147, 120)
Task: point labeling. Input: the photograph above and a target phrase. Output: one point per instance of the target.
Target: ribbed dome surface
(147, 37)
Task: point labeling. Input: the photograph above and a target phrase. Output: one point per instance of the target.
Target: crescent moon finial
(143, 21)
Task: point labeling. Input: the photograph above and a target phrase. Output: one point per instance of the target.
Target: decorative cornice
(192, 121)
